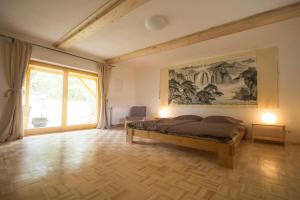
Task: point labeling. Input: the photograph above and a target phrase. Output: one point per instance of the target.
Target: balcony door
(58, 99)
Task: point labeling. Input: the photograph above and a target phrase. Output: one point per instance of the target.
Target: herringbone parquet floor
(97, 164)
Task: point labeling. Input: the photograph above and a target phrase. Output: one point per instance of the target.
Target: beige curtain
(104, 78)
(17, 56)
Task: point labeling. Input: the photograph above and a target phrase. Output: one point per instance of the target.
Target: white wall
(62, 59)
(138, 85)
(121, 93)
(148, 79)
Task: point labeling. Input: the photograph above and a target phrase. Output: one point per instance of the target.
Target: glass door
(43, 107)
(58, 99)
(82, 106)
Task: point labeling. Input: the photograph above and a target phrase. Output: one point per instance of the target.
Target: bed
(218, 134)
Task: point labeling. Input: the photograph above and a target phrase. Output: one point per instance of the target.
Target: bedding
(222, 119)
(220, 128)
(188, 117)
(160, 125)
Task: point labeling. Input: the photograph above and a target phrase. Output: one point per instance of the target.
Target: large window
(59, 99)
(82, 100)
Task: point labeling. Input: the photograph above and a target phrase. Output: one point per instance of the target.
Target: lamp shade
(163, 113)
(268, 118)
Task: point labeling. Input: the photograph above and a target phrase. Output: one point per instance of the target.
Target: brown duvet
(190, 127)
(222, 130)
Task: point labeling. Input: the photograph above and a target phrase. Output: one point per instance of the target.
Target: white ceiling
(48, 20)
(276, 34)
(185, 17)
(44, 19)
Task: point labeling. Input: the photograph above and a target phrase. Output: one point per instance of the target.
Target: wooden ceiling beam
(254, 21)
(105, 15)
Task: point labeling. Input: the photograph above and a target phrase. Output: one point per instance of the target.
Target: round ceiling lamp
(156, 23)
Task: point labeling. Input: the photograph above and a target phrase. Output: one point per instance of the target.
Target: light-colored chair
(137, 113)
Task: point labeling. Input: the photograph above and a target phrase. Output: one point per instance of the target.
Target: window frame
(45, 67)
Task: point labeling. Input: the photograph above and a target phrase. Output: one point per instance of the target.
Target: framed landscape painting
(225, 82)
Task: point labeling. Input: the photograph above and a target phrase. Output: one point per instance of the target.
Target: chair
(137, 113)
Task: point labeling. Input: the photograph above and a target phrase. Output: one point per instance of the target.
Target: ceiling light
(156, 23)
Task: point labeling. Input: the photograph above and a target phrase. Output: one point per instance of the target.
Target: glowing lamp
(268, 118)
(163, 113)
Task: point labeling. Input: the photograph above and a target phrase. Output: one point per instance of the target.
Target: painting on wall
(226, 82)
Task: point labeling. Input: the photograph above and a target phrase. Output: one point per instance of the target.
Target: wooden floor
(97, 164)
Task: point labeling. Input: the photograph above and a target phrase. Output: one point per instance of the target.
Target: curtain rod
(38, 45)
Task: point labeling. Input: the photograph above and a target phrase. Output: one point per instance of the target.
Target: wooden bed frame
(227, 152)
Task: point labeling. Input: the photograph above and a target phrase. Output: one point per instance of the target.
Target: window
(82, 100)
(58, 99)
